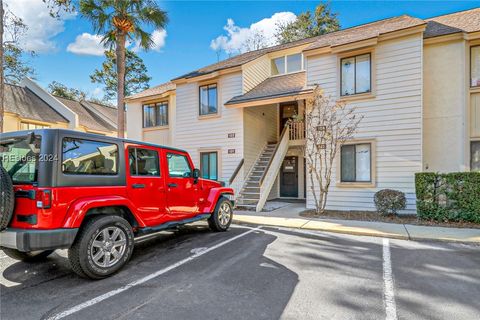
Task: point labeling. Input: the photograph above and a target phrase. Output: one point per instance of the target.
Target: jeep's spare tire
(7, 199)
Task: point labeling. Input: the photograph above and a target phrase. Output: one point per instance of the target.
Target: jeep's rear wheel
(221, 218)
(31, 256)
(104, 246)
(7, 199)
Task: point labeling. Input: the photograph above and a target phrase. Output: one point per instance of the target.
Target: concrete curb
(367, 228)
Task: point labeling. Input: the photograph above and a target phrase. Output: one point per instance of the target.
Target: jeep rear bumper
(30, 240)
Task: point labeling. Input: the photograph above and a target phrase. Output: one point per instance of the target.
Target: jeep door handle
(172, 185)
(138, 186)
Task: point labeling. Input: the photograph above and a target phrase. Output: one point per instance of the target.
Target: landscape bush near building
(448, 196)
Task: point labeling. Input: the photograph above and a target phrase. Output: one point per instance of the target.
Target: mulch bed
(374, 216)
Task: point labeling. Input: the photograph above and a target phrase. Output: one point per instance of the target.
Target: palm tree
(117, 21)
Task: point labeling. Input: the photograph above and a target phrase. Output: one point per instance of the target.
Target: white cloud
(42, 28)
(97, 92)
(158, 38)
(87, 44)
(237, 37)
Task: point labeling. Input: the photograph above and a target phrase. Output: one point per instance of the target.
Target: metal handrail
(237, 170)
(273, 155)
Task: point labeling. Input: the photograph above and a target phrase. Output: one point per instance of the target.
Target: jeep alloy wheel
(108, 247)
(102, 247)
(221, 218)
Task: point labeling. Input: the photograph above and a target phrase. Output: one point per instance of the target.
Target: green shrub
(390, 201)
(448, 196)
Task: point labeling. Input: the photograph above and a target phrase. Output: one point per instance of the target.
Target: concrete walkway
(288, 216)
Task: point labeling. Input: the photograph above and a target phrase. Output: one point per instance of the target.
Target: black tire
(81, 253)
(7, 198)
(215, 222)
(32, 256)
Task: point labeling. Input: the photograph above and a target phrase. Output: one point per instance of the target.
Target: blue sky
(192, 27)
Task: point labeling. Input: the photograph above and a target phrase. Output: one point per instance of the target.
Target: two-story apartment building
(416, 82)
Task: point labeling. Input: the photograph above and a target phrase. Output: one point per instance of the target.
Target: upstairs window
(208, 99)
(155, 114)
(475, 66)
(287, 64)
(356, 164)
(355, 75)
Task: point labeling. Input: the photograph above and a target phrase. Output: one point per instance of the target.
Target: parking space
(248, 273)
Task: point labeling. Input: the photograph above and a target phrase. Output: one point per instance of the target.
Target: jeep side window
(88, 157)
(143, 162)
(178, 166)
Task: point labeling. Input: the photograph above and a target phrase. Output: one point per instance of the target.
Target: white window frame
(285, 61)
(373, 160)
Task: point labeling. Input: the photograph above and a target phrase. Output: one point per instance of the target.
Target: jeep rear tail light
(44, 199)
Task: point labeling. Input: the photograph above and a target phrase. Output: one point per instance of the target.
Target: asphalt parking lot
(250, 273)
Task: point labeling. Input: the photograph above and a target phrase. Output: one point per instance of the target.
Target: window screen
(209, 165)
(356, 163)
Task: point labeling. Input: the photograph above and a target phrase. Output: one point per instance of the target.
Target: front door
(287, 111)
(289, 178)
(182, 191)
(145, 183)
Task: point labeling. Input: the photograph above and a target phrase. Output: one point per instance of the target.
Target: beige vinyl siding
(194, 134)
(260, 127)
(158, 135)
(444, 107)
(255, 72)
(393, 118)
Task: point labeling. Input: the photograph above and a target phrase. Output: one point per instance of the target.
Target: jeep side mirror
(196, 175)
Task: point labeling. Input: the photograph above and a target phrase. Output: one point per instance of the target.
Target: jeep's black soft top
(86, 135)
(50, 174)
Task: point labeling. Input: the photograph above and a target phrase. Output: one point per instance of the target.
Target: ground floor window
(356, 164)
(475, 156)
(31, 126)
(209, 165)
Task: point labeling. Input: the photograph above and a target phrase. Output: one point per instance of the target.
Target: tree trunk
(2, 81)
(120, 57)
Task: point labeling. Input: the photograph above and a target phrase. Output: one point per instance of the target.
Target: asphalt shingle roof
(153, 91)
(86, 118)
(28, 105)
(275, 87)
(466, 21)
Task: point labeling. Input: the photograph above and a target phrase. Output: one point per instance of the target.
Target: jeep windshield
(20, 156)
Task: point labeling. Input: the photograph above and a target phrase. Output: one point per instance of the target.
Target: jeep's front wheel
(32, 256)
(103, 246)
(221, 218)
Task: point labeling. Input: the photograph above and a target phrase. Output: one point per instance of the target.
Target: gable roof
(463, 21)
(343, 36)
(86, 118)
(274, 87)
(109, 112)
(365, 31)
(153, 91)
(22, 101)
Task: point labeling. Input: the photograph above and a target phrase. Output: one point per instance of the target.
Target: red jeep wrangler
(94, 195)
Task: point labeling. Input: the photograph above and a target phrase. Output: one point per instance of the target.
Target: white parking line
(389, 293)
(112, 293)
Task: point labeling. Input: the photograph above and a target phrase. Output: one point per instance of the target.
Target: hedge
(448, 196)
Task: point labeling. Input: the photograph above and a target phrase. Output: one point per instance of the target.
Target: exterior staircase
(249, 196)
